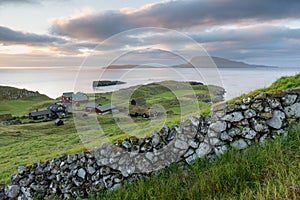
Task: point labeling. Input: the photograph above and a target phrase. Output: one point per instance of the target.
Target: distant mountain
(206, 61)
(198, 61)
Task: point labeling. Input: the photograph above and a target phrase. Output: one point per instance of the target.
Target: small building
(91, 107)
(80, 98)
(138, 101)
(105, 109)
(67, 97)
(41, 115)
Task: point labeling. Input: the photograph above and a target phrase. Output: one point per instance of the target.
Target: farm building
(138, 101)
(41, 114)
(67, 97)
(54, 111)
(91, 107)
(103, 109)
(100, 109)
(76, 99)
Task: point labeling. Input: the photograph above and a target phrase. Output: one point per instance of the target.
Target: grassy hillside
(19, 102)
(269, 171)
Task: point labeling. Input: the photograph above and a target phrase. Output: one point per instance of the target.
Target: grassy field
(28, 143)
(268, 171)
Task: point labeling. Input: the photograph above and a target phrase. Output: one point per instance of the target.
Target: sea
(53, 81)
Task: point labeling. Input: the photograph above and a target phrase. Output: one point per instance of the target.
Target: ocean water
(53, 81)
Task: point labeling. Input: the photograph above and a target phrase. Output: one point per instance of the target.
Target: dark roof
(40, 113)
(68, 94)
(56, 107)
(106, 107)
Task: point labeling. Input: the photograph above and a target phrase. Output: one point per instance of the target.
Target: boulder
(293, 111)
(277, 120)
(234, 117)
(12, 191)
(239, 144)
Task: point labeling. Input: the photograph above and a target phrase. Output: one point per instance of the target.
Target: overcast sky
(63, 33)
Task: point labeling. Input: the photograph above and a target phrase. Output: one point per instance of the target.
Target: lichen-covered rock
(234, 117)
(180, 144)
(12, 191)
(277, 119)
(248, 133)
(81, 173)
(203, 150)
(289, 99)
(249, 113)
(293, 111)
(239, 144)
(218, 126)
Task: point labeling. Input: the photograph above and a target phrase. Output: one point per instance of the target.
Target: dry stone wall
(254, 119)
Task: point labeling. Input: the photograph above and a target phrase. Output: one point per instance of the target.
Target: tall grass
(264, 171)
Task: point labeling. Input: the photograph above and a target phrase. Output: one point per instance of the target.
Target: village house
(54, 111)
(100, 109)
(70, 99)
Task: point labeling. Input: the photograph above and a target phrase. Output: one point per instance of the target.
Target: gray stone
(239, 144)
(14, 179)
(263, 138)
(149, 156)
(191, 159)
(219, 150)
(91, 170)
(293, 111)
(188, 153)
(234, 117)
(156, 139)
(193, 144)
(104, 171)
(218, 126)
(214, 141)
(257, 106)
(81, 173)
(212, 133)
(203, 150)
(234, 131)
(248, 133)
(181, 144)
(249, 113)
(247, 100)
(21, 169)
(225, 136)
(126, 144)
(273, 103)
(289, 99)
(259, 126)
(277, 119)
(12, 191)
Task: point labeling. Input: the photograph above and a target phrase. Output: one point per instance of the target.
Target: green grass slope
(19, 102)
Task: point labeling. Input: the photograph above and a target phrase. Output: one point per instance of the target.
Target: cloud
(179, 15)
(9, 36)
(16, 1)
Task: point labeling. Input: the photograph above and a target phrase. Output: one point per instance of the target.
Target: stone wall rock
(238, 126)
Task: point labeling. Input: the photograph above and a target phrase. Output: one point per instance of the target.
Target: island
(105, 83)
